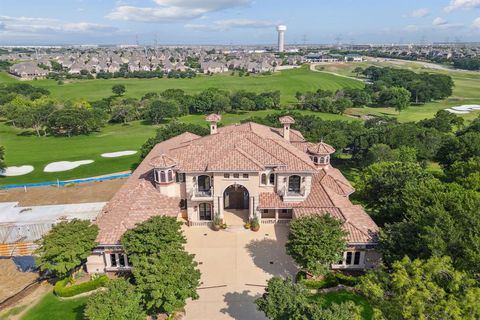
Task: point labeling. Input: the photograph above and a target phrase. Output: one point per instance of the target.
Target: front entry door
(236, 199)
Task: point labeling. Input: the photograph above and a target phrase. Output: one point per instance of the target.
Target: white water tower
(281, 37)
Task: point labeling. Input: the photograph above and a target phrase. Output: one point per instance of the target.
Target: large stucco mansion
(244, 170)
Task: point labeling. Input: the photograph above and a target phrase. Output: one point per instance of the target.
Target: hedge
(61, 289)
(330, 280)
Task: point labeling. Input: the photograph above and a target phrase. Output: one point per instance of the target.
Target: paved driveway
(235, 266)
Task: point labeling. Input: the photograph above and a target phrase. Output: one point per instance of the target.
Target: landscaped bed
(326, 299)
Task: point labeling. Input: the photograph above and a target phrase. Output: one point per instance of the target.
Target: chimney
(286, 121)
(213, 119)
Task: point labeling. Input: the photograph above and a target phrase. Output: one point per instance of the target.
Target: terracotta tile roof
(320, 148)
(137, 200)
(247, 147)
(286, 120)
(329, 194)
(213, 117)
(163, 161)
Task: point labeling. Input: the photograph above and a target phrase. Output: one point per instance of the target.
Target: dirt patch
(20, 306)
(12, 280)
(75, 193)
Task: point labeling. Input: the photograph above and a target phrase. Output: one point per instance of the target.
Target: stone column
(276, 215)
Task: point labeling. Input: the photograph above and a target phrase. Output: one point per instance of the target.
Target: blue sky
(236, 21)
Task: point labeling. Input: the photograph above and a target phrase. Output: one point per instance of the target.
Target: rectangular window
(356, 258)
(113, 259)
(245, 176)
(121, 259)
(183, 204)
(226, 175)
(348, 261)
(205, 211)
(236, 175)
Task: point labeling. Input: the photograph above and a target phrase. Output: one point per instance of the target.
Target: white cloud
(476, 23)
(462, 4)
(169, 10)
(223, 25)
(39, 25)
(420, 13)
(439, 21)
(411, 28)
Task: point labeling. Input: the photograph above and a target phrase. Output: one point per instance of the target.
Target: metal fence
(63, 183)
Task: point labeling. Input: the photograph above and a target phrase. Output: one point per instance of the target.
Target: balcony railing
(203, 193)
(284, 192)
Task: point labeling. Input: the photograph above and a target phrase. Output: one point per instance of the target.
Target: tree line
(32, 108)
(385, 87)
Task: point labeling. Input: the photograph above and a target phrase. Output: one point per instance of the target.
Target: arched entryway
(236, 197)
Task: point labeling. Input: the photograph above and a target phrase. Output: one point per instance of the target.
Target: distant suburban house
(243, 170)
(28, 71)
(213, 67)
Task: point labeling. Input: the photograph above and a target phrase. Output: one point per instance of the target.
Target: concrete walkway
(235, 268)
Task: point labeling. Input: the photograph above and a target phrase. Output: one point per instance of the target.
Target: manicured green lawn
(287, 81)
(27, 149)
(52, 308)
(327, 299)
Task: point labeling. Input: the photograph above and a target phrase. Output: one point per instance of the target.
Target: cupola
(320, 153)
(163, 167)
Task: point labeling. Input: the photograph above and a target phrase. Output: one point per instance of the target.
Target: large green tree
(383, 186)
(65, 246)
(440, 219)
(315, 242)
(163, 271)
(418, 289)
(119, 89)
(120, 300)
(285, 300)
(159, 110)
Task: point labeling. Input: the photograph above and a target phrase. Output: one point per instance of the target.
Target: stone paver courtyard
(235, 266)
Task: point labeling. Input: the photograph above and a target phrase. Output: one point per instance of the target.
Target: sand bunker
(16, 171)
(118, 154)
(465, 109)
(65, 165)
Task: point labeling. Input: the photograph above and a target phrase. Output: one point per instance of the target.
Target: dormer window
(163, 176)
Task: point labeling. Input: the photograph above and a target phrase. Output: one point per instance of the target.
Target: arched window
(294, 184)
(162, 176)
(315, 159)
(272, 179)
(170, 176)
(264, 179)
(205, 211)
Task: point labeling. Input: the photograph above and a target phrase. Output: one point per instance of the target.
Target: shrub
(62, 290)
(346, 280)
(328, 281)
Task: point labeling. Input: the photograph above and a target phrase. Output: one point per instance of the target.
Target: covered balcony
(202, 188)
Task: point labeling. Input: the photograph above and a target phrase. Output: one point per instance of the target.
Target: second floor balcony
(202, 188)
